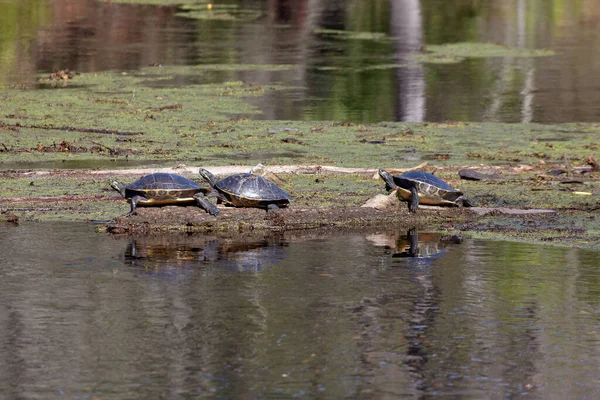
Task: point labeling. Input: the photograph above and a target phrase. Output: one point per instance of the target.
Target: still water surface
(369, 77)
(86, 315)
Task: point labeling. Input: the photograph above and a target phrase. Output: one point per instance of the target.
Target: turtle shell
(249, 190)
(163, 188)
(432, 190)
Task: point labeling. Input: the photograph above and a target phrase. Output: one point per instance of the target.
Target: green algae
(218, 12)
(143, 119)
(201, 9)
(168, 71)
(142, 116)
(332, 190)
(158, 2)
(568, 229)
(363, 68)
(352, 35)
(456, 52)
(58, 197)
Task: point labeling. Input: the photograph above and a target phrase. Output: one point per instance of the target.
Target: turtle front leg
(134, 202)
(204, 203)
(413, 204)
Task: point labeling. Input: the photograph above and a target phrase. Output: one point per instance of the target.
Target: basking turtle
(247, 190)
(422, 187)
(163, 189)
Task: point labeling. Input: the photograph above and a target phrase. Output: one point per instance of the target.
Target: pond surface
(353, 60)
(86, 315)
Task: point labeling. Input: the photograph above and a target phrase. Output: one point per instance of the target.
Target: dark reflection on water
(160, 253)
(336, 77)
(415, 245)
(86, 315)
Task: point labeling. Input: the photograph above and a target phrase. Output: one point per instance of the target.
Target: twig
(568, 165)
(74, 129)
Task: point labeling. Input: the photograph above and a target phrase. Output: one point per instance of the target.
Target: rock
(382, 201)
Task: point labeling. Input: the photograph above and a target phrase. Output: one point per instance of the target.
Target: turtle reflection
(160, 254)
(425, 245)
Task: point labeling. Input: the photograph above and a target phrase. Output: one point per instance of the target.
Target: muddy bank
(241, 220)
(509, 199)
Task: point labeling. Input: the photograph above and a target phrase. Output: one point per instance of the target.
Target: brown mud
(233, 220)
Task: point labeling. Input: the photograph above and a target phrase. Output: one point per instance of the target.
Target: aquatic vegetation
(150, 115)
(352, 35)
(362, 68)
(218, 12)
(159, 2)
(456, 52)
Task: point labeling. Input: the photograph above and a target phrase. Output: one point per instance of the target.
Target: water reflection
(367, 79)
(178, 254)
(416, 250)
(91, 315)
(420, 247)
(413, 245)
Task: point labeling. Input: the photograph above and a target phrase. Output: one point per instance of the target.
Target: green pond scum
(201, 9)
(148, 117)
(352, 35)
(456, 52)
(218, 12)
(160, 2)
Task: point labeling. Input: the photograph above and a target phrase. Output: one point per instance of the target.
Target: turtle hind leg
(205, 204)
(413, 203)
(272, 207)
(465, 202)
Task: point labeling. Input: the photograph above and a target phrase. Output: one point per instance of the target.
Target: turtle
(247, 190)
(422, 187)
(160, 189)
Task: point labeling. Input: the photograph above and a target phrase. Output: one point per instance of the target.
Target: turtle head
(118, 186)
(208, 176)
(388, 179)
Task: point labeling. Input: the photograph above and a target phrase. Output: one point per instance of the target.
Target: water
(86, 315)
(335, 78)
